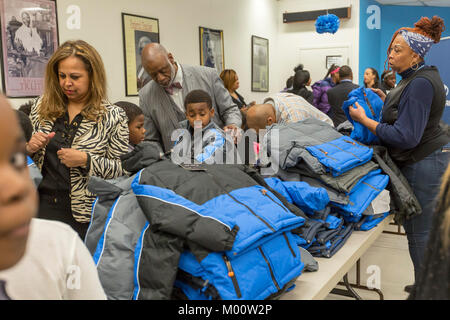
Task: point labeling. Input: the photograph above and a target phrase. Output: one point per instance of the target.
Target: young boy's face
(137, 130)
(199, 112)
(18, 196)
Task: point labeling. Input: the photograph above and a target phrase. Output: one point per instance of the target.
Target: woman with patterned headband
(410, 125)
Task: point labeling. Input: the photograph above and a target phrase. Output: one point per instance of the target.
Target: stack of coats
(194, 231)
(347, 188)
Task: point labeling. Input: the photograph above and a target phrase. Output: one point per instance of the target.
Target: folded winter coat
(116, 223)
(404, 203)
(370, 222)
(343, 183)
(333, 195)
(362, 195)
(285, 145)
(209, 208)
(372, 105)
(341, 155)
(332, 246)
(258, 274)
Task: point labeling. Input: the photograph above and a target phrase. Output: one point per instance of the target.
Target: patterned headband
(419, 43)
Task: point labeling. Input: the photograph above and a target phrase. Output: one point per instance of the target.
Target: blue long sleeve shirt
(413, 113)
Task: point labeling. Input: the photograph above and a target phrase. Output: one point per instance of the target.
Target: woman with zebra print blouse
(76, 134)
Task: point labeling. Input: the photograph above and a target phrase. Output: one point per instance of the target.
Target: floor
(387, 260)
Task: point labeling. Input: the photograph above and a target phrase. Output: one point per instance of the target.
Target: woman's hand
(72, 158)
(380, 93)
(38, 141)
(357, 113)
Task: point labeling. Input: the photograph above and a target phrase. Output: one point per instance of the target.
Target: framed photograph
(29, 38)
(260, 64)
(138, 31)
(330, 60)
(211, 49)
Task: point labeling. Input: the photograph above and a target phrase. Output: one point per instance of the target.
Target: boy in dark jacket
(200, 139)
(135, 122)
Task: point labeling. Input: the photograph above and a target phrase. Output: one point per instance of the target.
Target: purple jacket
(320, 89)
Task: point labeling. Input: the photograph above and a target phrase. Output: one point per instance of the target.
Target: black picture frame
(260, 64)
(137, 31)
(212, 52)
(27, 45)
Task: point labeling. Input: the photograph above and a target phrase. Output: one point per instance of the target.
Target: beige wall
(101, 26)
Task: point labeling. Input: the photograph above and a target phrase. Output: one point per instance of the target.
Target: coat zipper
(371, 186)
(289, 245)
(270, 269)
(232, 276)
(264, 192)
(254, 213)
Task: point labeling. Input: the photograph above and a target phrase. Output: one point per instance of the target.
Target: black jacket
(336, 97)
(305, 93)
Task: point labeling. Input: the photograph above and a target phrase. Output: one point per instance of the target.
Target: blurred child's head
(18, 196)
(198, 106)
(135, 121)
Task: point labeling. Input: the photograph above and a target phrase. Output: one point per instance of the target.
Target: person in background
(371, 78)
(282, 108)
(338, 94)
(302, 79)
(289, 84)
(39, 259)
(410, 126)
(321, 87)
(231, 82)
(162, 99)
(77, 133)
(135, 123)
(388, 81)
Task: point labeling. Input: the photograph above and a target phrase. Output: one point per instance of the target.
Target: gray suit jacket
(162, 115)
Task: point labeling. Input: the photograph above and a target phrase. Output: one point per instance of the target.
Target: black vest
(435, 134)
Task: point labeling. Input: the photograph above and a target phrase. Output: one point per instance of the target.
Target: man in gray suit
(162, 99)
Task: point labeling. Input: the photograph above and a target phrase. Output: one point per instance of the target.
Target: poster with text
(29, 38)
(138, 31)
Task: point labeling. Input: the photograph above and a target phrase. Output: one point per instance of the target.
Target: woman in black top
(76, 134)
(231, 82)
(302, 79)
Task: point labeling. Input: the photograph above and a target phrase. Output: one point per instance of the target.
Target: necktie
(169, 89)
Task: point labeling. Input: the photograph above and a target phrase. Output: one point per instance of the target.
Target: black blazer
(336, 97)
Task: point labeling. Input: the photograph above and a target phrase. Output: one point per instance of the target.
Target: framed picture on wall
(211, 48)
(260, 64)
(29, 32)
(138, 31)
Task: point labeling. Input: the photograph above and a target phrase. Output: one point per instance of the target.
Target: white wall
(293, 36)
(101, 26)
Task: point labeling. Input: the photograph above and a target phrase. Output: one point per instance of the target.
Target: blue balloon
(327, 23)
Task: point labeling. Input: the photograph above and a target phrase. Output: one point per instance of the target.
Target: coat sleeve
(228, 110)
(109, 166)
(169, 212)
(308, 198)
